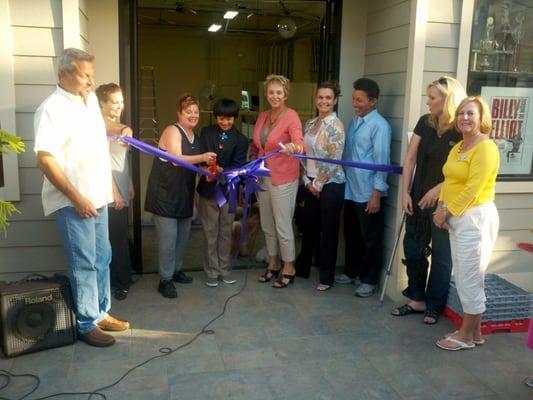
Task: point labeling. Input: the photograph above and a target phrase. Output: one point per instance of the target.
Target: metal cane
(391, 260)
(402, 223)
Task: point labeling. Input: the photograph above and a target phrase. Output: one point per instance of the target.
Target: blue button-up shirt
(368, 140)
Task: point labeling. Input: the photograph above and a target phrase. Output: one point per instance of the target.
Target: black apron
(170, 191)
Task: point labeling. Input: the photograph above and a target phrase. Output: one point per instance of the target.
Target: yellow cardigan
(470, 177)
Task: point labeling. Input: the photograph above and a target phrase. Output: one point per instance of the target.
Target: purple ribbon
(393, 169)
(147, 148)
(248, 174)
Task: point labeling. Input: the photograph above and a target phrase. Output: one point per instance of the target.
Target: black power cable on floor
(96, 394)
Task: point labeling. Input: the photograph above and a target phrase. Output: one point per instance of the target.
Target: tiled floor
(294, 343)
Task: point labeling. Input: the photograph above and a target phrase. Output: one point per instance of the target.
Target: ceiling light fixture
(287, 27)
(214, 27)
(230, 14)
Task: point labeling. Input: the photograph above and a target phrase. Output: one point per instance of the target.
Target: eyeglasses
(443, 81)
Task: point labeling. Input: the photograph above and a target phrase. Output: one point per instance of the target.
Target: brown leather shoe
(97, 338)
(113, 324)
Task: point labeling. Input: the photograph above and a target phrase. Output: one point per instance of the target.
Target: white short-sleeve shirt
(74, 133)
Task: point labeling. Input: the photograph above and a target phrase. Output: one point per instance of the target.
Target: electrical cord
(96, 394)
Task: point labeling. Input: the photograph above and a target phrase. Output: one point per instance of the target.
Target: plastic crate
(505, 301)
(488, 327)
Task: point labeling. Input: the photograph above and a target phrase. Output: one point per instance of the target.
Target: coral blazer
(283, 169)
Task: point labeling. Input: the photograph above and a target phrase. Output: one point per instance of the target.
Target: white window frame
(465, 37)
(11, 189)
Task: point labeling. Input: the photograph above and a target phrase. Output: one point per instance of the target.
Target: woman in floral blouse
(324, 188)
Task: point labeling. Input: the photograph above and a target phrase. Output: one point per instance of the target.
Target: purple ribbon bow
(249, 175)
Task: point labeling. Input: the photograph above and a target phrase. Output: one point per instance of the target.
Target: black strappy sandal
(434, 315)
(268, 275)
(284, 281)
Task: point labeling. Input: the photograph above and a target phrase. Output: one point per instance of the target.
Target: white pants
(472, 238)
(276, 207)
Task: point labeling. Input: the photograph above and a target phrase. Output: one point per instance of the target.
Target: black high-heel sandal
(281, 283)
(268, 275)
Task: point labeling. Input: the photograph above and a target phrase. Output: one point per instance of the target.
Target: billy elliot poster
(512, 127)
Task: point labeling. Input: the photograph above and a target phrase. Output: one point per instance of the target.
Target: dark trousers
(120, 267)
(434, 291)
(321, 230)
(309, 225)
(363, 235)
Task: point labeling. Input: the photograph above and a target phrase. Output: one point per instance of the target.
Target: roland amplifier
(36, 315)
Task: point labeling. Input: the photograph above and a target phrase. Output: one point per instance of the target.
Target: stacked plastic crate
(508, 306)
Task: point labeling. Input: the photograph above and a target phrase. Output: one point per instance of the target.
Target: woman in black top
(170, 193)
(434, 136)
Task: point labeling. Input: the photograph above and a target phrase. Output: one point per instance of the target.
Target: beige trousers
(276, 207)
(217, 224)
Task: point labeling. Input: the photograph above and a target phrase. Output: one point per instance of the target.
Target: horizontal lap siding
(32, 243)
(442, 42)
(386, 63)
(513, 264)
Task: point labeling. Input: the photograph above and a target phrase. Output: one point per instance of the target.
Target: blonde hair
(453, 93)
(485, 121)
(279, 79)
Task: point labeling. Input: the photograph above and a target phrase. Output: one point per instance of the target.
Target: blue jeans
(434, 291)
(88, 252)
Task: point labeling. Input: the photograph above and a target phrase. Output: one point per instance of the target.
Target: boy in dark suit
(231, 148)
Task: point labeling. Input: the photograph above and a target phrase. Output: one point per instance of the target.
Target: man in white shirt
(72, 152)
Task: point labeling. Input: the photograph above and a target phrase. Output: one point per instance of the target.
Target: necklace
(273, 119)
(464, 147)
(189, 133)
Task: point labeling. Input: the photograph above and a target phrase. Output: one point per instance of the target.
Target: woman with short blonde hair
(278, 79)
(466, 208)
(278, 126)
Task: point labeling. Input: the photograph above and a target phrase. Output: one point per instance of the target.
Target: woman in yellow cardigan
(467, 210)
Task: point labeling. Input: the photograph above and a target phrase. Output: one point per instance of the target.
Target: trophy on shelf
(487, 45)
(506, 43)
(518, 35)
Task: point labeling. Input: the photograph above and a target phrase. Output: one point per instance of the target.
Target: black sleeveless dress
(170, 191)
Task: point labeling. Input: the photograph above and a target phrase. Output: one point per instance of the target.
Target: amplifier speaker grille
(36, 315)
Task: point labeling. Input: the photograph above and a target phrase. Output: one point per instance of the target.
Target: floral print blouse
(329, 143)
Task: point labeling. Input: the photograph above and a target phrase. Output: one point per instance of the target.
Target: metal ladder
(148, 121)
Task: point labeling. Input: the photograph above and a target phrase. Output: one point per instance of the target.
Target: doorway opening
(170, 47)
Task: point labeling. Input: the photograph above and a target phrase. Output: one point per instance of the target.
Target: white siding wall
(515, 210)
(442, 43)
(514, 206)
(84, 24)
(40, 29)
(386, 62)
(10, 189)
(514, 201)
